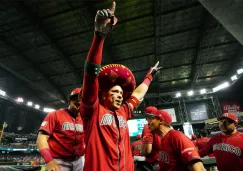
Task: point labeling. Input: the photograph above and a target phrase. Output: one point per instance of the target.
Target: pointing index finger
(113, 7)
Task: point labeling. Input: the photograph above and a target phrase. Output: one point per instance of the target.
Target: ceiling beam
(194, 4)
(158, 35)
(234, 64)
(35, 67)
(32, 18)
(194, 66)
(179, 79)
(177, 50)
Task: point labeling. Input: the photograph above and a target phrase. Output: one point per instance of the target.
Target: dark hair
(203, 133)
(73, 97)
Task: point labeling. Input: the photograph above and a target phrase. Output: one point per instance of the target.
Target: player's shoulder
(61, 111)
(177, 133)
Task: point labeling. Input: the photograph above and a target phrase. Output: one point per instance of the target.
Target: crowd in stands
(20, 157)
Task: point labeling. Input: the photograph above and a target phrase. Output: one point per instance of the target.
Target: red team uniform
(106, 132)
(176, 151)
(137, 148)
(201, 142)
(149, 138)
(66, 135)
(227, 151)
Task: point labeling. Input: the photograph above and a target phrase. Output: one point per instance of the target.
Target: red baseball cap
(230, 116)
(164, 115)
(75, 91)
(150, 110)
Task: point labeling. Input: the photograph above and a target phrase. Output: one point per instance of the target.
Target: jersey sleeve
(49, 123)
(126, 110)
(185, 148)
(89, 97)
(147, 136)
(207, 149)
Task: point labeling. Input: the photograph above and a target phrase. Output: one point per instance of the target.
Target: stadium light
(233, 78)
(20, 100)
(240, 71)
(190, 93)
(178, 94)
(29, 103)
(48, 110)
(37, 106)
(221, 86)
(2, 93)
(202, 91)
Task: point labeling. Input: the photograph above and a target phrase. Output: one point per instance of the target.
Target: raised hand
(153, 71)
(105, 19)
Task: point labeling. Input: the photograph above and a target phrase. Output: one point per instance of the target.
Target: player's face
(153, 123)
(113, 99)
(74, 105)
(227, 126)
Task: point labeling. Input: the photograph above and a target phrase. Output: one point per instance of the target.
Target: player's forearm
(198, 166)
(146, 149)
(42, 145)
(92, 67)
(140, 91)
(42, 141)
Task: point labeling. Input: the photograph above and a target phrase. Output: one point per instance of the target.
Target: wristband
(147, 81)
(98, 33)
(134, 101)
(46, 155)
(91, 68)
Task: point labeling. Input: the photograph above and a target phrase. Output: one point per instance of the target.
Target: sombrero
(117, 74)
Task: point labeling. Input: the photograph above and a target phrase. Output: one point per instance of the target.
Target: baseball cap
(75, 92)
(150, 110)
(164, 115)
(230, 116)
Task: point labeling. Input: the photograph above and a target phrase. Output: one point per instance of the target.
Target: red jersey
(107, 139)
(149, 138)
(201, 142)
(137, 148)
(228, 151)
(176, 152)
(66, 134)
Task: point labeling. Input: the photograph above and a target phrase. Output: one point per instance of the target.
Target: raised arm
(104, 20)
(142, 89)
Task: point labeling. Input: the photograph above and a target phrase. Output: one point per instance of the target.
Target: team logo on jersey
(44, 123)
(227, 148)
(109, 119)
(66, 126)
(163, 156)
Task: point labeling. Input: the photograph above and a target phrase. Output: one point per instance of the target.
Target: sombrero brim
(117, 74)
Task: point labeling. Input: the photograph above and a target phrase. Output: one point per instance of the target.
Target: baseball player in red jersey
(107, 102)
(151, 143)
(202, 141)
(177, 152)
(61, 137)
(227, 147)
(137, 146)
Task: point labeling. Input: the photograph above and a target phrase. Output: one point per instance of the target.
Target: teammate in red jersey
(177, 152)
(137, 146)
(202, 141)
(227, 147)
(61, 137)
(107, 102)
(151, 143)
